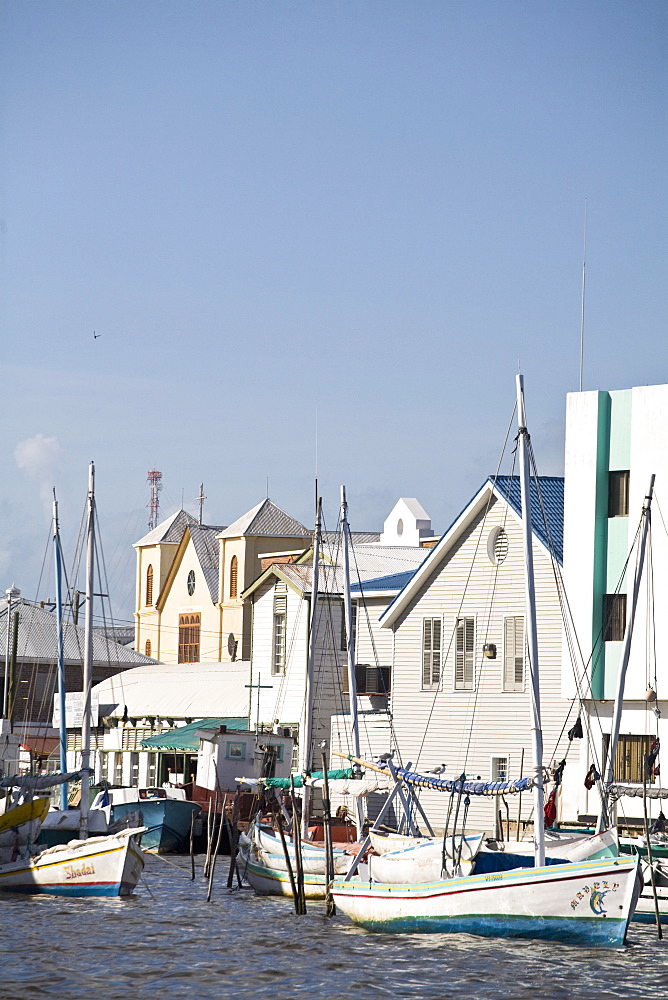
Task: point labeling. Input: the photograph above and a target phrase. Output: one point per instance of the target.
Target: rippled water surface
(167, 942)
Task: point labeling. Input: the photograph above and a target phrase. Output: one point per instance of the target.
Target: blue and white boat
(165, 813)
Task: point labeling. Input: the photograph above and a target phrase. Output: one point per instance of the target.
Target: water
(168, 942)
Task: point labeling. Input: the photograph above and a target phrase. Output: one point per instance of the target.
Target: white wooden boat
(588, 902)
(98, 866)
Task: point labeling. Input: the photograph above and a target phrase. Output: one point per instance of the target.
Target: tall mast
(532, 639)
(88, 654)
(604, 817)
(306, 735)
(350, 648)
(62, 729)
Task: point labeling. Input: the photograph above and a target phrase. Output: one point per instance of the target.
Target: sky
(313, 238)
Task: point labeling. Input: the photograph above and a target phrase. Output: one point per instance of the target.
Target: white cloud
(38, 456)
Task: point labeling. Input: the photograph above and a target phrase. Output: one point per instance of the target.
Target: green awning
(184, 738)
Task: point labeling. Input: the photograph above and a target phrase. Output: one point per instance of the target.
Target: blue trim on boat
(608, 932)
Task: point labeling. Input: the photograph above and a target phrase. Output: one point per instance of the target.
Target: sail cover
(636, 791)
(39, 781)
(467, 787)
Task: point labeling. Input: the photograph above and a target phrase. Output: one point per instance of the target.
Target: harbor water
(166, 942)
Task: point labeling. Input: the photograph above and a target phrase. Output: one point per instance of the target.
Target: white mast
(88, 655)
(306, 733)
(604, 817)
(350, 650)
(532, 640)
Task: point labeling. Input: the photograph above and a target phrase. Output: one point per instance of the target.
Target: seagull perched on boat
(384, 758)
(437, 770)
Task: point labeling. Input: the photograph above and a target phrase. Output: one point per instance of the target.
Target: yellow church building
(190, 578)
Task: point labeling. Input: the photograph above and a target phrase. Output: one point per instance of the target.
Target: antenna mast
(200, 499)
(155, 479)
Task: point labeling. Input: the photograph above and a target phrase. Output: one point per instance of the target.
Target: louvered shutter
(464, 653)
(513, 656)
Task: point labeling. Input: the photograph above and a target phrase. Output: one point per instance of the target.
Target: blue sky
(368, 210)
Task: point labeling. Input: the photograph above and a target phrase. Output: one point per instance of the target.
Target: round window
(497, 546)
(191, 582)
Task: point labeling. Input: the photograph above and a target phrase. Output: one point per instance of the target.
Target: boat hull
(274, 882)
(168, 822)
(586, 903)
(100, 866)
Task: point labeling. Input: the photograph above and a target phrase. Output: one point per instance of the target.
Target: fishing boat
(88, 866)
(98, 866)
(588, 902)
(165, 813)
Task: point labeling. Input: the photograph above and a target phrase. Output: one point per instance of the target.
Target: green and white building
(615, 441)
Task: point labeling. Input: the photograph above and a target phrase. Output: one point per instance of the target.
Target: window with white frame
(431, 652)
(499, 769)
(464, 650)
(513, 653)
(280, 617)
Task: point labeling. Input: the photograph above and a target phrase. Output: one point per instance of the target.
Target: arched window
(234, 575)
(189, 626)
(149, 587)
(147, 647)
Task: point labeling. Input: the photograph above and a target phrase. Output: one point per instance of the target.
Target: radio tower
(155, 479)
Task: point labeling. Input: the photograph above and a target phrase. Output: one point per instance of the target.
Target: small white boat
(98, 866)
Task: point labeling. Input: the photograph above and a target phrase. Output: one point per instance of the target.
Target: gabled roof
(367, 562)
(266, 519)
(415, 507)
(207, 549)
(168, 532)
(546, 495)
(38, 639)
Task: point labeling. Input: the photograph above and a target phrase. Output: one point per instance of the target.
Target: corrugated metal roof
(367, 562)
(38, 639)
(168, 531)
(357, 537)
(184, 738)
(547, 507)
(207, 549)
(267, 519)
(395, 581)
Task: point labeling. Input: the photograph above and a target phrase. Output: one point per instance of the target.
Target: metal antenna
(200, 499)
(582, 317)
(155, 479)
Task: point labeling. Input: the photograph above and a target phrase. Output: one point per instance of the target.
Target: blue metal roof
(547, 507)
(395, 581)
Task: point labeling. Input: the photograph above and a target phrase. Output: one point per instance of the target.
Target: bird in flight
(96, 335)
